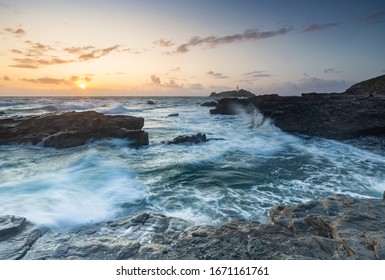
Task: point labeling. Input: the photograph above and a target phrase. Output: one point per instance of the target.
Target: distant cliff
(233, 93)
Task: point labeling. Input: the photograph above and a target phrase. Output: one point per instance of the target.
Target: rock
(150, 102)
(2, 113)
(138, 237)
(71, 129)
(371, 87)
(233, 106)
(336, 227)
(173, 115)
(189, 139)
(233, 93)
(209, 104)
(16, 237)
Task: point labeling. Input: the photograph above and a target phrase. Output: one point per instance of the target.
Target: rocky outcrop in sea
(71, 129)
(335, 115)
(335, 227)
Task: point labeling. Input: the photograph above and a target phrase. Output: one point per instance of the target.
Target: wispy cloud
(78, 50)
(253, 76)
(376, 17)
(98, 53)
(317, 27)
(216, 75)
(18, 32)
(164, 43)
(31, 63)
(332, 71)
(214, 41)
(49, 81)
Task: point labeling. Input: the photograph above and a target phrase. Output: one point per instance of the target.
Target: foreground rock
(336, 227)
(71, 129)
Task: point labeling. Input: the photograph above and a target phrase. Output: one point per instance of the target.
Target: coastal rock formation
(335, 116)
(336, 227)
(209, 104)
(233, 93)
(371, 87)
(71, 129)
(189, 139)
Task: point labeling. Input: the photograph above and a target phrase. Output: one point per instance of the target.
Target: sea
(247, 166)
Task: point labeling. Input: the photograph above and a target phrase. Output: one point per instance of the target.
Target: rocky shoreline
(336, 227)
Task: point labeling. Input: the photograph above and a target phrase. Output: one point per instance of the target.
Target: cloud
(316, 27)
(78, 50)
(176, 69)
(196, 86)
(31, 63)
(155, 81)
(376, 17)
(216, 75)
(6, 78)
(19, 32)
(133, 51)
(49, 81)
(164, 43)
(98, 53)
(332, 71)
(214, 41)
(253, 76)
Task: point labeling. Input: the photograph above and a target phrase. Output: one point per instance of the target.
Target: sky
(170, 47)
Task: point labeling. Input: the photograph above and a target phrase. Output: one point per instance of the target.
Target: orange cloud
(164, 43)
(98, 53)
(17, 32)
(46, 80)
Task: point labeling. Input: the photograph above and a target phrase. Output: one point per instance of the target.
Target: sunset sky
(170, 47)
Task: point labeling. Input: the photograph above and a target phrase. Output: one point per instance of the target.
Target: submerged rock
(336, 227)
(71, 129)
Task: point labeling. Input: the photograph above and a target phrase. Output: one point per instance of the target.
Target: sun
(82, 86)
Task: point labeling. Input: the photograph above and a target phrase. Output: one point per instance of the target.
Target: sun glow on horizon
(83, 86)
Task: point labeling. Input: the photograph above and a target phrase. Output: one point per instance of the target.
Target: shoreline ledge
(336, 227)
(71, 129)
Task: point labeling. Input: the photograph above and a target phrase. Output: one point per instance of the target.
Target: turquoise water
(248, 167)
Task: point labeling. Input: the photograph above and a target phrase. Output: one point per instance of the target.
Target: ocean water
(248, 166)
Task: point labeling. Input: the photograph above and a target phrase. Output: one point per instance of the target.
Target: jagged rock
(189, 139)
(174, 115)
(16, 237)
(137, 237)
(233, 93)
(335, 227)
(2, 113)
(209, 104)
(371, 87)
(71, 129)
(233, 106)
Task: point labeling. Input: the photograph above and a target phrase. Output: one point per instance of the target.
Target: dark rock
(173, 115)
(371, 87)
(209, 104)
(2, 113)
(150, 102)
(233, 106)
(71, 129)
(189, 139)
(336, 227)
(233, 93)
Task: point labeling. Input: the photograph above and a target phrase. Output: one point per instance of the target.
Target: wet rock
(16, 237)
(335, 227)
(150, 102)
(189, 139)
(174, 115)
(71, 129)
(2, 113)
(233, 106)
(209, 104)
